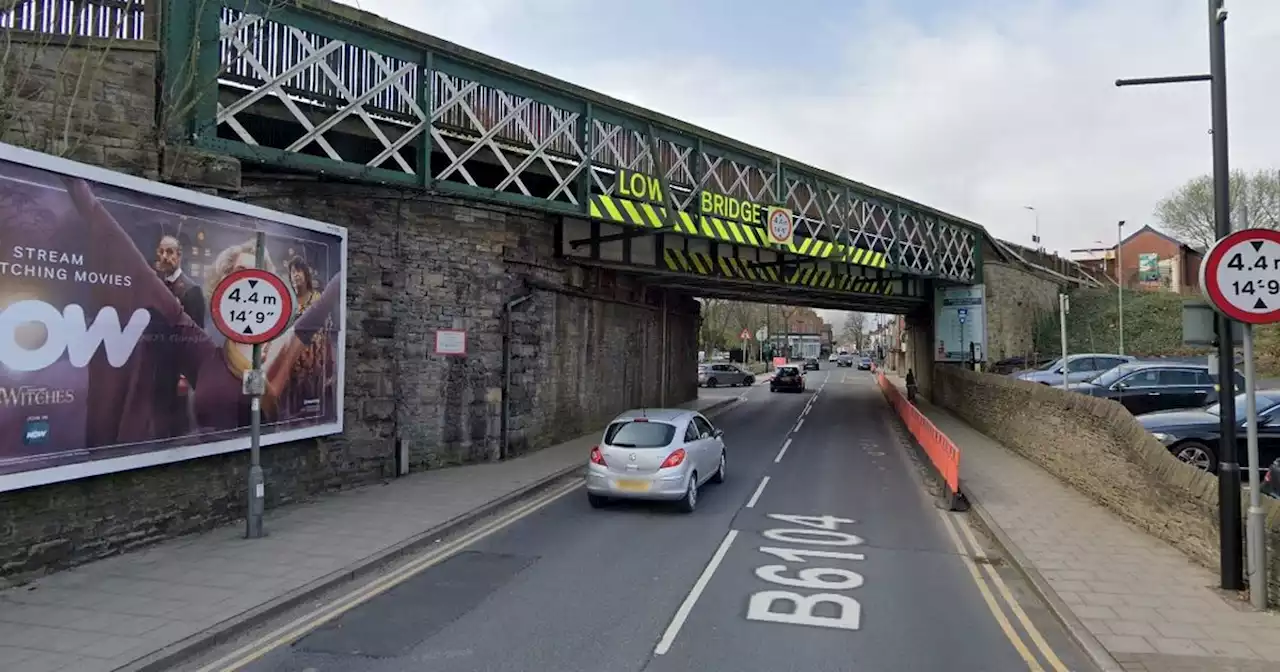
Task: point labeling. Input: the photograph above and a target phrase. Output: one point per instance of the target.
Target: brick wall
(417, 263)
(95, 104)
(1096, 446)
(1015, 299)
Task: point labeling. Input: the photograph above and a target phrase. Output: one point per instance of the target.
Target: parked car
(864, 364)
(811, 364)
(832, 358)
(1192, 434)
(787, 378)
(664, 454)
(711, 375)
(1080, 368)
(1271, 480)
(1143, 387)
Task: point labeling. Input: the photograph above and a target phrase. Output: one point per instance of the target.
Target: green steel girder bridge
(315, 86)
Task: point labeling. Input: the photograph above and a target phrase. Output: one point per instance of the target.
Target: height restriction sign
(1240, 276)
(251, 306)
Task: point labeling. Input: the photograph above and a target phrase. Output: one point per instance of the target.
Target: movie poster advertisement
(109, 359)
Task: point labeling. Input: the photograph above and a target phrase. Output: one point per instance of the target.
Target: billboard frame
(80, 470)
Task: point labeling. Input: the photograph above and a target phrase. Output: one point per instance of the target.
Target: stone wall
(587, 345)
(93, 102)
(1015, 300)
(1097, 447)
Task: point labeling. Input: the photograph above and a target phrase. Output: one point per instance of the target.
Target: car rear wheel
(1197, 455)
(711, 382)
(690, 500)
(596, 501)
(718, 477)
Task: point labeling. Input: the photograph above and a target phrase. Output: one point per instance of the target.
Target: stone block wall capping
(1099, 449)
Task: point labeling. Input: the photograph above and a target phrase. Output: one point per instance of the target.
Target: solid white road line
(691, 599)
(755, 496)
(782, 452)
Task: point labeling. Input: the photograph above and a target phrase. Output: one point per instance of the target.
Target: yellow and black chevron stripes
(825, 278)
(701, 263)
(647, 215)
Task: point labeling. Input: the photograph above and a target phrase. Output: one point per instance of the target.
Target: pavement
(820, 551)
(139, 610)
(1132, 601)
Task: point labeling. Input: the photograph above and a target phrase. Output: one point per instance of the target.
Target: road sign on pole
(1240, 276)
(762, 334)
(252, 306)
(745, 335)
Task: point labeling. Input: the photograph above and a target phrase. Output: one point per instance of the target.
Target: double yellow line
(304, 625)
(987, 577)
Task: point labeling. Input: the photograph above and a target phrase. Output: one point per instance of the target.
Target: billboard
(1149, 269)
(960, 319)
(108, 357)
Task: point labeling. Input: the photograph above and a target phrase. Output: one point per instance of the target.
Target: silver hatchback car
(656, 454)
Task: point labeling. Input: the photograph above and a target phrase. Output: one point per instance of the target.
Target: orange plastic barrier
(944, 454)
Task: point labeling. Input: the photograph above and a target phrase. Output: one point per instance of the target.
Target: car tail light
(675, 459)
(597, 457)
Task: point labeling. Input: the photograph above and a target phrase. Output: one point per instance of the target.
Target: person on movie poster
(122, 412)
(312, 371)
(173, 411)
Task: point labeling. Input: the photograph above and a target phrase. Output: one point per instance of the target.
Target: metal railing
(104, 19)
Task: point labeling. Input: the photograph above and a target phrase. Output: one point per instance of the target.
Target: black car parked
(1143, 387)
(787, 378)
(1192, 434)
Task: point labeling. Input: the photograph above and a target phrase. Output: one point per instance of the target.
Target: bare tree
(855, 325)
(1187, 213)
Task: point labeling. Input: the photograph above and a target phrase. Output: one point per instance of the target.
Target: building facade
(1146, 259)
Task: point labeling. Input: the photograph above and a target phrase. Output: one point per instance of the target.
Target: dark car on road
(1192, 434)
(789, 378)
(844, 359)
(811, 364)
(864, 364)
(1143, 387)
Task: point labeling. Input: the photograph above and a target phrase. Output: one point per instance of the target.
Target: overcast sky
(975, 107)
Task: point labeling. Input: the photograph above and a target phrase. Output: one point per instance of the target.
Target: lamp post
(1120, 280)
(1231, 535)
(1035, 238)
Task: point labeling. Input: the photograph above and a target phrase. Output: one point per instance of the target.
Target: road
(841, 525)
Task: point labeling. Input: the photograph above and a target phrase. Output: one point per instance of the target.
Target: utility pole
(1231, 535)
(1120, 280)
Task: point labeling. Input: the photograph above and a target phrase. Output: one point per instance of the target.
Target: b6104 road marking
(818, 531)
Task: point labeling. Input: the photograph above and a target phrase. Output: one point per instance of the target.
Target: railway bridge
(566, 232)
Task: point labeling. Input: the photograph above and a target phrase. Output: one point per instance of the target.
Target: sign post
(252, 306)
(1064, 307)
(1240, 276)
(746, 341)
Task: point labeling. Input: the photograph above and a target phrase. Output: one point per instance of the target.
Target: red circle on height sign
(251, 306)
(1242, 242)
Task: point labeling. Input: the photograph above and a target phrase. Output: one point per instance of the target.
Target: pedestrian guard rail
(943, 454)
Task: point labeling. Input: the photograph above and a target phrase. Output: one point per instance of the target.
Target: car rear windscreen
(788, 371)
(639, 434)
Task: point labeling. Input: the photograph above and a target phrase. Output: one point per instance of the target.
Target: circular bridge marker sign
(1240, 276)
(251, 306)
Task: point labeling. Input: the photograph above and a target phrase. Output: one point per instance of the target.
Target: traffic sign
(781, 225)
(251, 306)
(1240, 276)
(745, 335)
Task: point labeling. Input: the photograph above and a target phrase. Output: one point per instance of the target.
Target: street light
(1035, 238)
(1120, 280)
(1230, 539)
